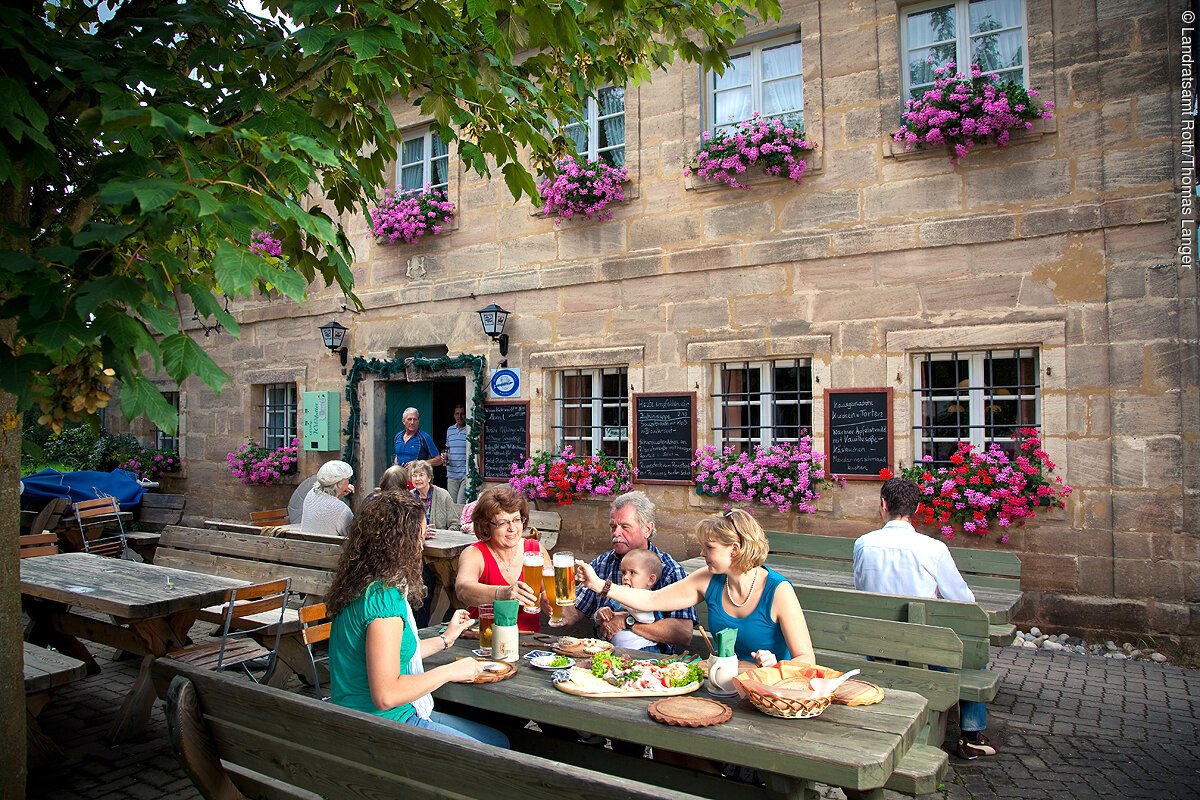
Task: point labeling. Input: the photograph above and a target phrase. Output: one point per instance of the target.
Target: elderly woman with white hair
(324, 510)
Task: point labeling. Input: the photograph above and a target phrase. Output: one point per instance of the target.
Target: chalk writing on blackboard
(664, 437)
(858, 431)
(505, 438)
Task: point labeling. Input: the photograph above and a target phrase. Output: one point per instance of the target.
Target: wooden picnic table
(1000, 604)
(857, 748)
(152, 609)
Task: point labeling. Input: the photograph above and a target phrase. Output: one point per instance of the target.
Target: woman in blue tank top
(739, 591)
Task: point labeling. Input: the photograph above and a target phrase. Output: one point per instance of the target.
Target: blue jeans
(972, 714)
(457, 726)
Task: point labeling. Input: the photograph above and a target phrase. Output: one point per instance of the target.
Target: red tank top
(492, 576)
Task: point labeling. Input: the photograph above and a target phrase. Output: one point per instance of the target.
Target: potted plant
(786, 476)
(565, 477)
(255, 465)
(961, 111)
(406, 216)
(583, 188)
(981, 490)
(776, 146)
(149, 463)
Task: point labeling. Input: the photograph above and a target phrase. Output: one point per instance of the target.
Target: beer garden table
(152, 609)
(856, 748)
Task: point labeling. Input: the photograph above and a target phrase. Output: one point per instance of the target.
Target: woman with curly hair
(738, 589)
(375, 656)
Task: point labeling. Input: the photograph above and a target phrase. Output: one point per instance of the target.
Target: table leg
(42, 631)
(134, 714)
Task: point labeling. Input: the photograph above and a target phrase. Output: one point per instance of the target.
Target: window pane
(412, 151)
(437, 146)
(577, 133)
(412, 177)
(440, 173)
(736, 74)
(929, 27)
(781, 62)
(990, 15)
(732, 106)
(922, 63)
(782, 97)
(997, 51)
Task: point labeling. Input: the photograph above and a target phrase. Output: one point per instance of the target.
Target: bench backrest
(979, 568)
(156, 511)
(38, 544)
(250, 557)
(233, 733)
(270, 518)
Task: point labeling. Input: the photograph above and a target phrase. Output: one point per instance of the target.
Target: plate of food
(495, 671)
(581, 648)
(612, 675)
(552, 662)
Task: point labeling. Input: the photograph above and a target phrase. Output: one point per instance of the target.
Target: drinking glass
(487, 616)
(533, 576)
(548, 586)
(564, 578)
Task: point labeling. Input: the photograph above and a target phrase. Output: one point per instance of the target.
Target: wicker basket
(788, 707)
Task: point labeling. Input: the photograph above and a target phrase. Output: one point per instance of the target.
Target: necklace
(729, 591)
(506, 564)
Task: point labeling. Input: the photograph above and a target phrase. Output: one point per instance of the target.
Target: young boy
(639, 570)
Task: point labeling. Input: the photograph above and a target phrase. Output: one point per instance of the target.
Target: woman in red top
(490, 569)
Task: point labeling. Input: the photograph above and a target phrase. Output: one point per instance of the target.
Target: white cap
(332, 473)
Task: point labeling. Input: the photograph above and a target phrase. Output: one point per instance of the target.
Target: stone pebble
(1035, 639)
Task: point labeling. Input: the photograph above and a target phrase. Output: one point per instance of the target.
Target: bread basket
(786, 690)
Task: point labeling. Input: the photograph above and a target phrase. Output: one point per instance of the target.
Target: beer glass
(533, 576)
(487, 616)
(564, 578)
(548, 586)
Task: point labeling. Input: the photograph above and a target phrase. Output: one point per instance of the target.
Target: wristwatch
(629, 621)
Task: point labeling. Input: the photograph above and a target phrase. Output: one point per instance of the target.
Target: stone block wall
(1065, 240)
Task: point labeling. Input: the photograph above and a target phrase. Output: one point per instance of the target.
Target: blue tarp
(40, 487)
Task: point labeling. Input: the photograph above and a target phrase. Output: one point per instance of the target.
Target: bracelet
(496, 594)
(445, 643)
(607, 586)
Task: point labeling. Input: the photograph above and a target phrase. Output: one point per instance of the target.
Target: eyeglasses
(515, 523)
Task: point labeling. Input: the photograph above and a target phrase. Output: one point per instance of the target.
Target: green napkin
(506, 612)
(725, 642)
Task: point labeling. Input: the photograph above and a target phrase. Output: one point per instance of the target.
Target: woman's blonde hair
(736, 527)
(420, 466)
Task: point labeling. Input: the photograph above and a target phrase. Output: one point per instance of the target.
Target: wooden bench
(48, 518)
(845, 642)
(158, 510)
(256, 559)
(994, 577)
(548, 524)
(234, 737)
(45, 672)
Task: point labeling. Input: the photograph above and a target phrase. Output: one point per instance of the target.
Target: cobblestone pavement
(1068, 726)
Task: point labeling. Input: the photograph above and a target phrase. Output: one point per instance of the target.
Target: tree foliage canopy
(142, 143)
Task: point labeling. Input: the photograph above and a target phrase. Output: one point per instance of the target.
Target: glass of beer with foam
(564, 578)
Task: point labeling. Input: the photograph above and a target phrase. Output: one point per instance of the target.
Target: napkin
(726, 639)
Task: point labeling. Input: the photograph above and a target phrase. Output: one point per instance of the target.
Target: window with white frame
(600, 135)
(278, 414)
(762, 402)
(162, 439)
(765, 78)
(990, 33)
(978, 397)
(591, 411)
(424, 160)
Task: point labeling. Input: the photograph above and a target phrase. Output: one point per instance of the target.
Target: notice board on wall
(664, 436)
(858, 432)
(505, 439)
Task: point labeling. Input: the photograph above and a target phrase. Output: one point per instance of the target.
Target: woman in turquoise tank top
(739, 591)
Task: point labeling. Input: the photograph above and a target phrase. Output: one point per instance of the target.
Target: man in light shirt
(897, 560)
(456, 456)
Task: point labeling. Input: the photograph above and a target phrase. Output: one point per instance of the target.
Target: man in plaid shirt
(631, 521)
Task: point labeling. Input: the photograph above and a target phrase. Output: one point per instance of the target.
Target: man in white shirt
(897, 560)
(455, 456)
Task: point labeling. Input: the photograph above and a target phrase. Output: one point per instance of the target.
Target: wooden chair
(48, 518)
(38, 544)
(270, 518)
(315, 628)
(96, 520)
(249, 610)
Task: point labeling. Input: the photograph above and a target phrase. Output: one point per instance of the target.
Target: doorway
(434, 400)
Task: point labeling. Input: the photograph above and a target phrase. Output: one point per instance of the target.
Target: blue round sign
(506, 383)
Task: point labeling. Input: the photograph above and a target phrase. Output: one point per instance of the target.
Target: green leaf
(105, 290)
(288, 282)
(104, 232)
(518, 180)
(154, 193)
(236, 269)
(204, 198)
(139, 398)
(183, 357)
(13, 261)
(208, 306)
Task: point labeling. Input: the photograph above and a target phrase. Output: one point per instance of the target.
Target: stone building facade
(1059, 249)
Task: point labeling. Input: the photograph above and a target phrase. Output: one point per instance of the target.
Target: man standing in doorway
(413, 444)
(456, 456)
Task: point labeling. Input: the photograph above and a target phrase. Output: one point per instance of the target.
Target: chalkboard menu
(858, 432)
(664, 436)
(505, 437)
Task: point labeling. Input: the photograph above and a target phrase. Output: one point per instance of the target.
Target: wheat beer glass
(564, 578)
(534, 562)
(548, 587)
(487, 617)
